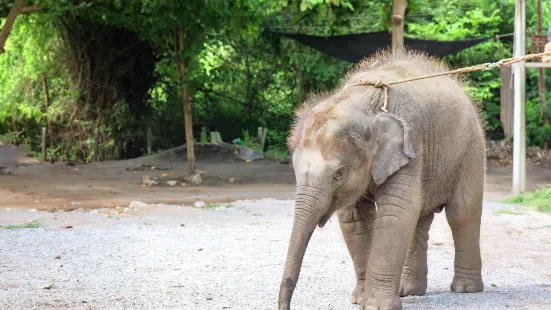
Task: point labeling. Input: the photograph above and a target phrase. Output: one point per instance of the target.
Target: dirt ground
(95, 251)
(27, 183)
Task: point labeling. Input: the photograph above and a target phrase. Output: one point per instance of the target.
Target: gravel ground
(169, 257)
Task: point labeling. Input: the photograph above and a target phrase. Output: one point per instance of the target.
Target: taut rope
(486, 66)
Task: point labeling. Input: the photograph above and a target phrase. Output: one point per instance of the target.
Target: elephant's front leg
(414, 272)
(398, 202)
(356, 225)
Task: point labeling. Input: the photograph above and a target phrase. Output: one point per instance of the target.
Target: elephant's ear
(395, 149)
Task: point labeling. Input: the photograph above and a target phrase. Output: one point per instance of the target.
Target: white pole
(519, 138)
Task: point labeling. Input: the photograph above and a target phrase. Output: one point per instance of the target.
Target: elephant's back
(439, 97)
(441, 116)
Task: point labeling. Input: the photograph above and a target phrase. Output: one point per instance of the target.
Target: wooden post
(263, 141)
(13, 124)
(398, 16)
(259, 133)
(149, 140)
(506, 96)
(46, 107)
(10, 20)
(43, 143)
(204, 138)
(14, 129)
(96, 144)
(541, 76)
(519, 139)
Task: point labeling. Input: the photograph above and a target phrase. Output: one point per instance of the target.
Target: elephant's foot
(413, 285)
(381, 303)
(464, 285)
(358, 293)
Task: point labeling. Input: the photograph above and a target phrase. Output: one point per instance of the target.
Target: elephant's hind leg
(356, 225)
(464, 215)
(414, 272)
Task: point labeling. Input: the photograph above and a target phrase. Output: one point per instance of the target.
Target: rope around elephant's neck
(486, 66)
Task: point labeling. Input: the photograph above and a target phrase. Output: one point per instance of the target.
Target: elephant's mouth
(323, 220)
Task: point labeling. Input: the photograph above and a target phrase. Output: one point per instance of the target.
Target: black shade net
(355, 47)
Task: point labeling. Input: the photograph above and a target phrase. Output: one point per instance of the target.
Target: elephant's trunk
(311, 204)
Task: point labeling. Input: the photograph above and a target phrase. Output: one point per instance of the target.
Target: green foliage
(278, 155)
(449, 25)
(34, 48)
(241, 75)
(541, 199)
(8, 138)
(537, 131)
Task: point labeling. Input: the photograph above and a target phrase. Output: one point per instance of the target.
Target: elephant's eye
(341, 174)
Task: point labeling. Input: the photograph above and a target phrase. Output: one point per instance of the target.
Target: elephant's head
(337, 155)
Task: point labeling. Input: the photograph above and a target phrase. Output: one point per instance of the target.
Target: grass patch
(509, 212)
(213, 206)
(541, 199)
(279, 155)
(30, 224)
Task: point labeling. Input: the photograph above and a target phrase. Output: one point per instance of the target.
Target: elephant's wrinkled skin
(386, 175)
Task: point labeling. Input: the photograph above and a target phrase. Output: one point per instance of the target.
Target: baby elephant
(386, 164)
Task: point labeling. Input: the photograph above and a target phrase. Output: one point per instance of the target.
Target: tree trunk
(185, 92)
(10, 20)
(46, 107)
(398, 15)
(189, 131)
(541, 74)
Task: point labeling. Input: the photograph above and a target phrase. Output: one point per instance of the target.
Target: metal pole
(519, 139)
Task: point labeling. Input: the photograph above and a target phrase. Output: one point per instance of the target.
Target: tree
(15, 10)
(234, 73)
(185, 25)
(166, 26)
